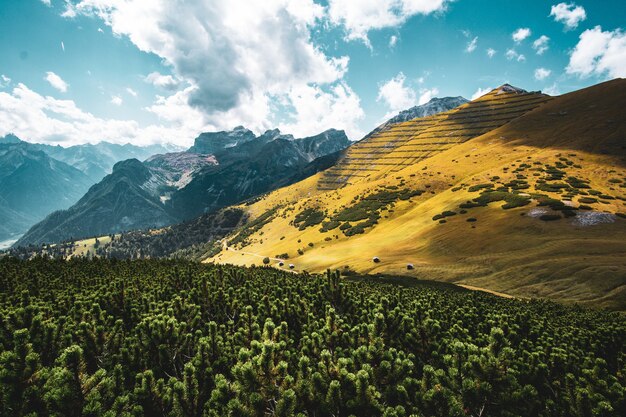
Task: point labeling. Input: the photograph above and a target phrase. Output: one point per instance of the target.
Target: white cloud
(542, 73)
(393, 40)
(163, 81)
(45, 119)
(491, 52)
(62, 46)
(131, 92)
(471, 45)
(47, 2)
(4, 81)
(316, 108)
(540, 45)
(568, 14)
(481, 92)
(57, 82)
(599, 53)
(70, 10)
(358, 17)
(396, 95)
(512, 55)
(553, 90)
(521, 34)
(426, 95)
(216, 65)
(116, 100)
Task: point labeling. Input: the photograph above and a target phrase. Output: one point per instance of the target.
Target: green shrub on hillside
(172, 338)
(308, 217)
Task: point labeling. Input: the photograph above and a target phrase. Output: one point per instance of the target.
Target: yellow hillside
(430, 193)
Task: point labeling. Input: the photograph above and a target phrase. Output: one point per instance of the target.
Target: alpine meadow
(312, 208)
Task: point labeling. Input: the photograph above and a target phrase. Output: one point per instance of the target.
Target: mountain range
(173, 187)
(220, 169)
(37, 179)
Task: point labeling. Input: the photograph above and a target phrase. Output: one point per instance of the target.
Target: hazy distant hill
(254, 167)
(37, 179)
(32, 184)
(97, 160)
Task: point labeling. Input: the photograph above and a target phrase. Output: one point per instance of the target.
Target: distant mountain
(254, 167)
(37, 179)
(97, 160)
(32, 184)
(434, 106)
(178, 186)
(126, 199)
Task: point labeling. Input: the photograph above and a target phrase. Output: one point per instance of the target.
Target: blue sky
(144, 72)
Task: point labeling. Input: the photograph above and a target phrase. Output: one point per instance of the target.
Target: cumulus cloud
(393, 40)
(396, 95)
(57, 82)
(481, 92)
(540, 45)
(521, 34)
(358, 17)
(542, 73)
(62, 46)
(471, 45)
(552, 90)
(47, 2)
(216, 65)
(4, 81)
(167, 82)
(512, 55)
(568, 14)
(427, 94)
(44, 119)
(491, 52)
(314, 108)
(599, 53)
(116, 100)
(131, 92)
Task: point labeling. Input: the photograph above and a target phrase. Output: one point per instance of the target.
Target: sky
(163, 71)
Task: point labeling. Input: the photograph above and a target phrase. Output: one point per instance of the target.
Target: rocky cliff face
(213, 142)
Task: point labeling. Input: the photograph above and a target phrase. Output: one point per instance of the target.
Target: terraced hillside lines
(408, 143)
(355, 164)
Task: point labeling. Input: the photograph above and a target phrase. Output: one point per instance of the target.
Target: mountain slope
(32, 184)
(514, 192)
(123, 200)
(252, 168)
(434, 106)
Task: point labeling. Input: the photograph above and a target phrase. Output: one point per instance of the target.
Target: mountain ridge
(174, 187)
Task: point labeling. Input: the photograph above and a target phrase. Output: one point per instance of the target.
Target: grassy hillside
(514, 192)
